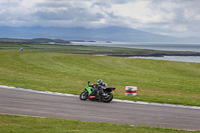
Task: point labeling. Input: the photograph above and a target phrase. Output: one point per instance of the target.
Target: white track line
(36, 91)
(116, 100)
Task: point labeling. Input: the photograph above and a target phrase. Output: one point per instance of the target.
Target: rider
(98, 87)
(101, 85)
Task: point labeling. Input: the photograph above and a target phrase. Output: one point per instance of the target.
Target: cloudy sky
(178, 18)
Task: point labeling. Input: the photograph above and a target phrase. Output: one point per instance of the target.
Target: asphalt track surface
(46, 105)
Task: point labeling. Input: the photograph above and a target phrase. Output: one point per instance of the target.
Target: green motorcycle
(92, 93)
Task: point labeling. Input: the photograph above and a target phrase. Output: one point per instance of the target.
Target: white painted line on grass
(116, 100)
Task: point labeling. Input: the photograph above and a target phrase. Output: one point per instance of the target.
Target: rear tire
(108, 98)
(84, 95)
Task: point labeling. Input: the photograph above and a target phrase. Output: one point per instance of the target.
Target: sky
(178, 18)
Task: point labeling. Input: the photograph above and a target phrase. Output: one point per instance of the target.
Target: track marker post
(130, 91)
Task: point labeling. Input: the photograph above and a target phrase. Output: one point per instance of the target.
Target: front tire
(84, 95)
(107, 98)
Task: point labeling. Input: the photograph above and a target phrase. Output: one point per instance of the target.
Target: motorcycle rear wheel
(84, 95)
(107, 98)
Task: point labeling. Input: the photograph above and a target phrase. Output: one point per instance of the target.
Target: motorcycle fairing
(89, 89)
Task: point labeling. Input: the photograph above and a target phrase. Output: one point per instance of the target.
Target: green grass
(23, 124)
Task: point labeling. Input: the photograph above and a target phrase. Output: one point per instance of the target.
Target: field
(23, 124)
(61, 71)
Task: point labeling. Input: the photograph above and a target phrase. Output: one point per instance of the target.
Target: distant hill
(101, 34)
(35, 40)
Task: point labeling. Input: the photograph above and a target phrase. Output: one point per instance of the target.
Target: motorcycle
(92, 93)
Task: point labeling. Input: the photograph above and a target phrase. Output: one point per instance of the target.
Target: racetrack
(13, 101)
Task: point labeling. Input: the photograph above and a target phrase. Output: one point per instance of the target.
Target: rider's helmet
(100, 81)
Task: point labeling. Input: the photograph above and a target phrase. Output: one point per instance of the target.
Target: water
(154, 46)
(175, 58)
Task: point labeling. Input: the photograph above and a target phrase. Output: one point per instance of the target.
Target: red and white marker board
(131, 91)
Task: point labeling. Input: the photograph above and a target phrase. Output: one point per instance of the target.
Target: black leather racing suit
(99, 88)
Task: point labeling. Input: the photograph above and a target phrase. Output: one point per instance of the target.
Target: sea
(154, 46)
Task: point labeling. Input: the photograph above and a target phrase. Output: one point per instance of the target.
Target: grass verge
(24, 124)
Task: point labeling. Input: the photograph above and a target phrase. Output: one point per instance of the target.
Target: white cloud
(142, 12)
(134, 10)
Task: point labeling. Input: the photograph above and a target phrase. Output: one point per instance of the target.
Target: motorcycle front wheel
(107, 98)
(84, 95)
